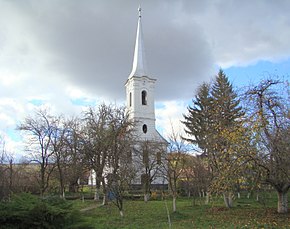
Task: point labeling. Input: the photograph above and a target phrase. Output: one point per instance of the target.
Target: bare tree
(120, 157)
(6, 172)
(196, 177)
(176, 161)
(68, 146)
(39, 130)
(96, 142)
(75, 149)
(120, 180)
(57, 146)
(149, 159)
(106, 129)
(270, 120)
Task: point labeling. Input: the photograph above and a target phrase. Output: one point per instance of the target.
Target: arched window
(144, 97)
(130, 99)
(144, 128)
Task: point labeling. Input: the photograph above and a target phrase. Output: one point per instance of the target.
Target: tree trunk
(105, 194)
(174, 203)
(282, 202)
(146, 187)
(168, 215)
(146, 197)
(228, 199)
(96, 196)
(61, 180)
(207, 198)
(10, 178)
(105, 199)
(121, 214)
(73, 185)
(62, 193)
(42, 181)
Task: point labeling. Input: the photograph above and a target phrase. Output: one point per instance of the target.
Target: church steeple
(140, 89)
(139, 62)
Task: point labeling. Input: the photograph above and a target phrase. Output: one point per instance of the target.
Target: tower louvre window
(144, 128)
(130, 99)
(144, 97)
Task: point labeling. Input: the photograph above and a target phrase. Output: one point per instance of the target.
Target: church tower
(140, 93)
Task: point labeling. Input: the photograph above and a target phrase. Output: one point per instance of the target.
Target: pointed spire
(139, 61)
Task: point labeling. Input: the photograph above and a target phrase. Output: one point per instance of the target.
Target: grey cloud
(50, 49)
(90, 43)
(243, 32)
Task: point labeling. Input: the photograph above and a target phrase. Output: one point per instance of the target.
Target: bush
(28, 211)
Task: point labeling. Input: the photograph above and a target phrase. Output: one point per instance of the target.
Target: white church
(149, 146)
(140, 106)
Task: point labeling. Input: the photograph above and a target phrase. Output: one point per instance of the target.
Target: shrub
(28, 211)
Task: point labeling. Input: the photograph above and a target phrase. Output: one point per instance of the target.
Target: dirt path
(90, 208)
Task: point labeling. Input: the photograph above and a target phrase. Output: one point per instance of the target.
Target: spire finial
(139, 9)
(139, 63)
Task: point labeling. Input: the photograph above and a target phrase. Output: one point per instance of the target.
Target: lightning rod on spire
(139, 9)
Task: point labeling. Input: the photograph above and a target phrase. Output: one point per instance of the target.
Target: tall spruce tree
(215, 124)
(227, 111)
(229, 138)
(199, 119)
(227, 115)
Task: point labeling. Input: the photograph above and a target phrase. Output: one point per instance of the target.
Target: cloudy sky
(67, 54)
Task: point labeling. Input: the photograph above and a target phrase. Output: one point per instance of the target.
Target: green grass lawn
(247, 213)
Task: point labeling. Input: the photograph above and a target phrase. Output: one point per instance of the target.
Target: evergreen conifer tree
(227, 111)
(199, 119)
(215, 124)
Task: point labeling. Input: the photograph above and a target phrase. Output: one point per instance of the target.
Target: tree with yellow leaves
(215, 123)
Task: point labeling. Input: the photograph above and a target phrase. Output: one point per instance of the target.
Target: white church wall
(92, 175)
(155, 168)
(141, 111)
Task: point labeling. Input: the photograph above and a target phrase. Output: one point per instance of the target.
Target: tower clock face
(144, 128)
